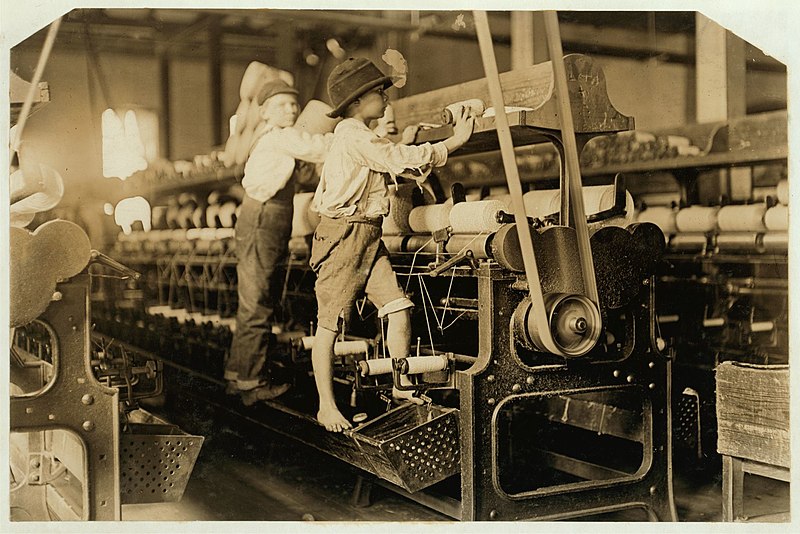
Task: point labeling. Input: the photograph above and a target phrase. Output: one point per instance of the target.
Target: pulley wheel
(574, 323)
(573, 320)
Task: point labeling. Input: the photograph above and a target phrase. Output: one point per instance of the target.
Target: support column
(720, 96)
(215, 80)
(540, 51)
(521, 39)
(720, 62)
(528, 39)
(732, 488)
(164, 121)
(286, 53)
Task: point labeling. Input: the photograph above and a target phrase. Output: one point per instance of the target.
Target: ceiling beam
(246, 40)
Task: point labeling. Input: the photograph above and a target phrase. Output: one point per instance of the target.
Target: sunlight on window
(130, 141)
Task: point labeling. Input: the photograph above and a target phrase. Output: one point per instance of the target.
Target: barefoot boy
(352, 198)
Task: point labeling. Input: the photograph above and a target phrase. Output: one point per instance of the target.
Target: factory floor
(246, 474)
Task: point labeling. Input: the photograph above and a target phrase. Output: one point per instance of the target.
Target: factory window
(130, 141)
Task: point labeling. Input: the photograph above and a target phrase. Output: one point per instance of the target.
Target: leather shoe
(263, 393)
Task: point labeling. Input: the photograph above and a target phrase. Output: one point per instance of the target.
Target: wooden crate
(753, 412)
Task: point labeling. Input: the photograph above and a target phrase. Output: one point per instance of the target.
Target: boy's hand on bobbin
(465, 122)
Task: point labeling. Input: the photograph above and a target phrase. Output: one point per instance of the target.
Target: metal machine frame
(75, 401)
(78, 411)
(499, 378)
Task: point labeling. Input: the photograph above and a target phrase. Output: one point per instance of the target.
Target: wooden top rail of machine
(530, 105)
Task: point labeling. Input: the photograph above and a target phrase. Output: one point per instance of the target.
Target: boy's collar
(266, 128)
(351, 122)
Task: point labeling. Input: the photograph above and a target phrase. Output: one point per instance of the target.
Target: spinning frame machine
(546, 388)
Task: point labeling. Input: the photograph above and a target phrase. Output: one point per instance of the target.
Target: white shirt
(272, 158)
(353, 177)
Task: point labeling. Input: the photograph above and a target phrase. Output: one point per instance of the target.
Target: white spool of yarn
(377, 366)
(401, 202)
(505, 199)
(223, 233)
(211, 215)
(301, 224)
(425, 364)
(541, 203)
(241, 115)
(394, 243)
(606, 202)
(313, 118)
(208, 234)
(155, 235)
(782, 192)
(777, 218)
(475, 106)
(428, 219)
(226, 213)
(475, 217)
(778, 241)
(544, 202)
(697, 219)
(478, 245)
(661, 216)
(419, 243)
(749, 218)
(598, 198)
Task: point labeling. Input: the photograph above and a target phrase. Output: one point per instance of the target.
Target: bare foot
(333, 420)
(405, 395)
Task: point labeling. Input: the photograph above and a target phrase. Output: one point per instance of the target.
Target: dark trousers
(262, 235)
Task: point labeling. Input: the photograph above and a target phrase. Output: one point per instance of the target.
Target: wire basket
(412, 446)
(156, 461)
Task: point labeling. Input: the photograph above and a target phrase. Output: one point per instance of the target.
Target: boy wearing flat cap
(263, 228)
(352, 199)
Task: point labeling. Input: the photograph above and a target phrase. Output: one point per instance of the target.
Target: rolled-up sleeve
(272, 160)
(302, 145)
(416, 160)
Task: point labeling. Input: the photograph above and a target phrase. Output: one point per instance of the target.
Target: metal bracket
(464, 256)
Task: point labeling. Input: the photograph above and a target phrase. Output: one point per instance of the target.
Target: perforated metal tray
(156, 461)
(412, 446)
